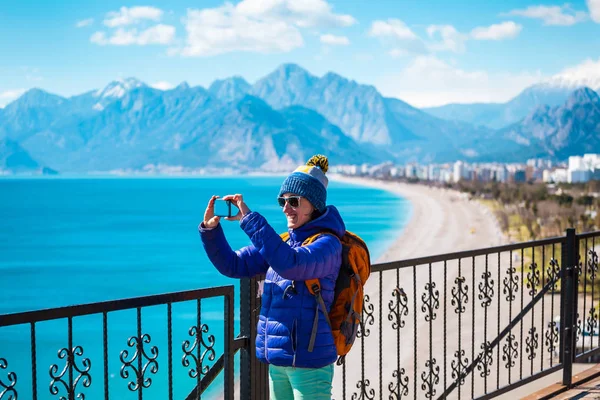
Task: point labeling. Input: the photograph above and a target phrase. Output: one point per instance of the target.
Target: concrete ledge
(558, 388)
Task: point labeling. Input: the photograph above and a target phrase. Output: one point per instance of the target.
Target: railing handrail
(48, 314)
(468, 253)
(587, 235)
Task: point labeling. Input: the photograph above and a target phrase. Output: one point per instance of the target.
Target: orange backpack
(346, 310)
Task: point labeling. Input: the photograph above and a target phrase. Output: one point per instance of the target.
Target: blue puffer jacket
(286, 321)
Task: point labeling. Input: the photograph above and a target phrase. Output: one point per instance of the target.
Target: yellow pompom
(319, 160)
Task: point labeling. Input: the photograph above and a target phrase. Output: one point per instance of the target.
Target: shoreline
(441, 221)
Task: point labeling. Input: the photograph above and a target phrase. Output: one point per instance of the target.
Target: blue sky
(424, 52)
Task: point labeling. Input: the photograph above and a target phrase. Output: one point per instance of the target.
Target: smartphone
(225, 208)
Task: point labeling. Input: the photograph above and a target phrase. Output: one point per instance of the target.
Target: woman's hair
(316, 214)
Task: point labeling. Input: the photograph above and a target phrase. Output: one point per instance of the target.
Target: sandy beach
(442, 221)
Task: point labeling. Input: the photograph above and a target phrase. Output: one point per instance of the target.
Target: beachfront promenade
(452, 311)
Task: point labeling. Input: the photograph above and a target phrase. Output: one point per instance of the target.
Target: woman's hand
(210, 220)
(238, 201)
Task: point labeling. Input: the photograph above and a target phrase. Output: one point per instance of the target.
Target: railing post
(254, 384)
(568, 304)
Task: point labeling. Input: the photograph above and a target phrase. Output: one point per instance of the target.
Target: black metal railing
(587, 295)
(472, 324)
(136, 356)
(460, 324)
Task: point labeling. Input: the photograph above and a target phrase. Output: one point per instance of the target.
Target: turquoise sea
(66, 241)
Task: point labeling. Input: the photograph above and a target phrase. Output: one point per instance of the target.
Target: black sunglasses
(293, 201)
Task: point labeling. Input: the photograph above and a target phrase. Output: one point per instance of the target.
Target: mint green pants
(290, 383)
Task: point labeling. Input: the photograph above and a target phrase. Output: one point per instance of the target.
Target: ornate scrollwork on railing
(486, 289)
(398, 388)
(552, 337)
(8, 389)
(460, 295)
(553, 272)
(431, 301)
(139, 355)
(510, 351)
(532, 343)
(533, 279)
(486, 360)
(459, 366)
(510, 284)
(578, 329)
(430, 378)
(71, 364)
(199, 343)
(398, 307)
(592, 264)
(363, 392)
(591, 320)
(368, 317)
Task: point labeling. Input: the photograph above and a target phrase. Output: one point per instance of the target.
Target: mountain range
(551, 92)
(279, 122)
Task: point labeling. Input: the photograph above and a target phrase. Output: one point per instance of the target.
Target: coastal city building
(577, 169)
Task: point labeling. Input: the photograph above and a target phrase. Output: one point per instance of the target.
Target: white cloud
(223, 30)
(402, 41)
(303, 13)
(84, 22)
(397, 35)
(158, 34)
(451, 39)
(554, 15)
(334, 40)
(397, 53)
(428, 81)
(504, 30)
(133, 15)
(587, 73)
(392, 28)
(9, 95)
(162, 85)
(262, 26)
(594, 7)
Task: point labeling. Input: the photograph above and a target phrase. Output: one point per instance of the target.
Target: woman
(288, 308)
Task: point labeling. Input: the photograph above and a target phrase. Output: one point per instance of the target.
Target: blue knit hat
(309, 181)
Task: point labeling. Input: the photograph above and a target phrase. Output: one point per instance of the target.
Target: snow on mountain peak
(118, 88)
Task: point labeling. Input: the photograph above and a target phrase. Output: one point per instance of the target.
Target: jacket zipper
(294, 341)
(266, 347)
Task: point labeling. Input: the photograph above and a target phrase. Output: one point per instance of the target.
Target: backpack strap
(316, 290)
(314, 287)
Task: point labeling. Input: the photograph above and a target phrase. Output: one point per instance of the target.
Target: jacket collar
(329, 221)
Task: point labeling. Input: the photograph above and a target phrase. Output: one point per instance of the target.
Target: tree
(586, 223)
(585, 200)
(503, 220)
(564, 200)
